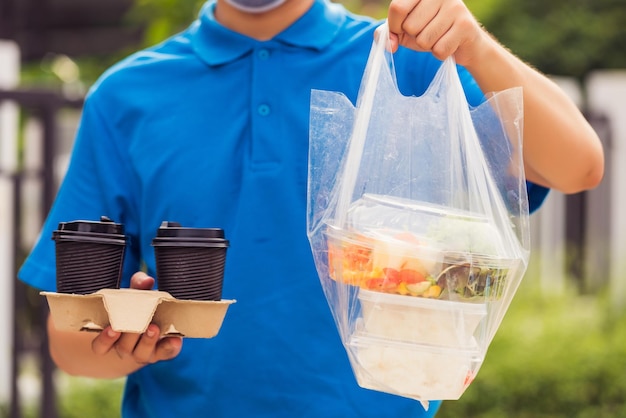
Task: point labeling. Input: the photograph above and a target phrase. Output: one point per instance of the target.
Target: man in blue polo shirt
(210, 129)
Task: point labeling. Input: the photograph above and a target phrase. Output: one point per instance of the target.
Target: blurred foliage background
(555, 356)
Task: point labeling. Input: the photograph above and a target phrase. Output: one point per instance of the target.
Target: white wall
(607, 95)
(603, 94)
(548, 224)
(547, 259)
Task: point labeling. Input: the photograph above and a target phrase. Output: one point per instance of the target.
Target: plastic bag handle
(364, 106)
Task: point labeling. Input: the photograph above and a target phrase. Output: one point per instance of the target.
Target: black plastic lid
(104, 226)
(175, 230)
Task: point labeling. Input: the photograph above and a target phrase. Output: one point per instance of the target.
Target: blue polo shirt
(210, 129)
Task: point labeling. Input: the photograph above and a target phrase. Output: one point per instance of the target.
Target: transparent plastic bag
(418, 223)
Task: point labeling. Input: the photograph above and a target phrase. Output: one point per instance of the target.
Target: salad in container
(418, 249)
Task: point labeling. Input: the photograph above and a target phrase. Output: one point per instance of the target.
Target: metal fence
(30, 311)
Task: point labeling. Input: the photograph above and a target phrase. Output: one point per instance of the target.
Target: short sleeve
(96, 184)
(536, 195)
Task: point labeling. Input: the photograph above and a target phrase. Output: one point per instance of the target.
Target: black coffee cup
(190, 261)
(89, 255)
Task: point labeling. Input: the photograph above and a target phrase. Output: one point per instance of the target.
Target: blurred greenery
(553, 356)
(91, 398)
(163, 18)
(559, 37)
(82, 398)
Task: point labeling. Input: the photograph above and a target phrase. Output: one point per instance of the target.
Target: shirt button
(264, 54)
(263, 110)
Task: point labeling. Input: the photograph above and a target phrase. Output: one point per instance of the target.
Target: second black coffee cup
(190, 261)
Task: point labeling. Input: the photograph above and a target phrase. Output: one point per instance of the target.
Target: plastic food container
(413, 248)
(383, 260)
(421, 320)
(420, 372)
(475, 278)
(451, 229)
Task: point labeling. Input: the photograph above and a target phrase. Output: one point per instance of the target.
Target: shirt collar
(216, 44)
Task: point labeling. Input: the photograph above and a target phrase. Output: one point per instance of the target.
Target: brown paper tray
(132, 310)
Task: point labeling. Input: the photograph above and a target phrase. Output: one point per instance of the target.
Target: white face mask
(255, 6)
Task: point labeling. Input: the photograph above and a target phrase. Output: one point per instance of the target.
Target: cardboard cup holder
(132, 310)
(90, 256)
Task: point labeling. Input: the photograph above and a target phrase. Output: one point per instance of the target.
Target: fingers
(438, 26)
(104, 342)
(142, 281)
(168, 348)
(125, 346)
(399, 10)
(422, 21)
(150, 347)
(391, 39)
(142, 349)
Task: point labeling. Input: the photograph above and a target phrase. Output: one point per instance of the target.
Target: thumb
(394, 42)
(142, 281)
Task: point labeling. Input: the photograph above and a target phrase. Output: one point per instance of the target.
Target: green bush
(91, 398)
(78, 398)
(552, 357)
